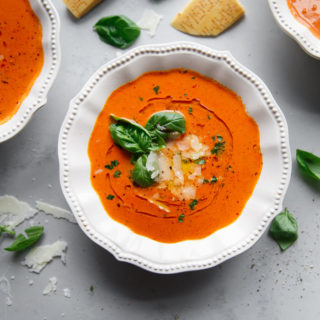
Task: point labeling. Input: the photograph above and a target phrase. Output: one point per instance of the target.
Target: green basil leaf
(21, 242)
(118, 31)
(163, 123)
(309, 163)
(140, 174)
(284, 229)
(158, 141)
(7, 229)
(130, 135)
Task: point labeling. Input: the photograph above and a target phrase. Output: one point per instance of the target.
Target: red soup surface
(21, 54)
(206, 175)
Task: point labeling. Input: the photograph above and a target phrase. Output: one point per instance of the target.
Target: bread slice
(80, 7)
(208, 17)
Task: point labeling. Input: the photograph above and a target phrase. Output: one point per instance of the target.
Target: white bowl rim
(294, 29)
(163, 49)
(37, 96)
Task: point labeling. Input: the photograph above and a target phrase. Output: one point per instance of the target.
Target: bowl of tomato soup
(174, 157)
(29, 60)
(300, 19)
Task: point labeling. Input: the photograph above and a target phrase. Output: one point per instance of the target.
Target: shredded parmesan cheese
(13, 212)
(56, 212)
(51, 286)
(40, 256)
(149, 21)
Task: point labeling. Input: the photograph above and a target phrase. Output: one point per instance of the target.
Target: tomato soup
(21, 54)
(307, 12)
(207, 174)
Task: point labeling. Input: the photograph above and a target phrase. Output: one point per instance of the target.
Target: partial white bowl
(37, 96)
(264, 204)
(294, 29)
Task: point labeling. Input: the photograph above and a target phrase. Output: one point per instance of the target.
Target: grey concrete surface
(261, 283)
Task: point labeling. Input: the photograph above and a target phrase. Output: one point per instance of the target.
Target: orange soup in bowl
(174, 155)
(21, 54)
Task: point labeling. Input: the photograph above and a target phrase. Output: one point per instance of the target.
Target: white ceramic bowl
(264, 204)
(308, 42)
(37, 96)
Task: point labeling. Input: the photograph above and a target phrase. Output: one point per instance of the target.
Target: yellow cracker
(208, 17)
(80, 7)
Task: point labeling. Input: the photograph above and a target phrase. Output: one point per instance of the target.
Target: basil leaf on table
(163, 123)
(7, 229)
(130, 135)
(284, 229)
(21, 242)
(309, 163)
(140, 173)
(118, 31)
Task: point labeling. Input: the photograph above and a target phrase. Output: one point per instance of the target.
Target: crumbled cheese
(152, 164)
(149, 21)
(164, 168)
(31, 282)
(14, 212)
(67, 292)
(12, 277)
(5, 288)
(178, 170)
(191, 148)
(51, 286)
(57, 212)
(40, 256)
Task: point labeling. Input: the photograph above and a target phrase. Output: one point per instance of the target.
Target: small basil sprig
(284, 229)
(118, 31)
(7, 229)
(140, 141)
(130, 135)
(21, 242)
(309, 163)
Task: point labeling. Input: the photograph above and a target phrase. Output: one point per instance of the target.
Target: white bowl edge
(107, 243)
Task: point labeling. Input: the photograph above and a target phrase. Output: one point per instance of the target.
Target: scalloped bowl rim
(294, 29)
(37, 97)
(120, 240)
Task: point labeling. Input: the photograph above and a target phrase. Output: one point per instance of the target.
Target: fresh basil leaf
(284, 229)
(163, 123)
(21, 242)
(140, 174)
(7, 229)
(130, 135)
(158, 141)
(118, 31)
(309, 163)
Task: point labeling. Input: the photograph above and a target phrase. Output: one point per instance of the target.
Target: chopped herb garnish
(229, 168)
(110, 197)
(185, 71)
(190, 110)
(156, 89)
(140, 98)
(117, 174)
(185, 94)
(181, 218)
(209, 117)
(193, 78)
(213, 138)
(220, 138)
(218, 148)
(91, 288)
(112, 164)
(204, 181)
(193, 204)
(185, 160)
(200, 161)
(213, 180)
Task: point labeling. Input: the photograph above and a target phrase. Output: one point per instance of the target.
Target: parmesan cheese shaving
(51, 286)
(67, 292)
(40, 256)
(14, 212)
(56, 212)
(149, 21)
